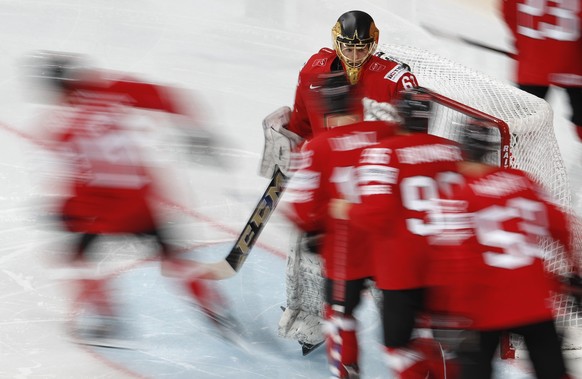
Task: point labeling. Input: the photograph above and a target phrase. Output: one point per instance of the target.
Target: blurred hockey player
(497, 222)
(377, 80)
(325, 169)
(397, 182)
(548, 41)
(109, 187)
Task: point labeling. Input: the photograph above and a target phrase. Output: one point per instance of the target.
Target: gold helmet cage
(355, 38)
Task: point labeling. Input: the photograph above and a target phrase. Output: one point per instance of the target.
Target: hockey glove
(375, 110)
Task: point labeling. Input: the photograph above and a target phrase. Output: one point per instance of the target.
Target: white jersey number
(110, 160)
(565, 12)
(419, 193)
(519, 249)
(344, 179)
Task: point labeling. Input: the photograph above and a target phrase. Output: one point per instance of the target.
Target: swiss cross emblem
(376, 67)
(319, 62)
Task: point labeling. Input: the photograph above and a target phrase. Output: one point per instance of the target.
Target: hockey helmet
(354, 38)
(478, 138)
(55, 69)
(415, 109)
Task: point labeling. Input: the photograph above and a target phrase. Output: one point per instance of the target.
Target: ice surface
(240, 58)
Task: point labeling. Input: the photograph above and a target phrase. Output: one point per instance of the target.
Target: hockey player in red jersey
(325, 169)
(397, 180)
(548, 42)
(504, 216)
(109, 187)
(376, 78)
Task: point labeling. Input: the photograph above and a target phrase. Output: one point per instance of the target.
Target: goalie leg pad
(302, 319)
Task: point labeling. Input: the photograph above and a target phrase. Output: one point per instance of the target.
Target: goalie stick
(237, 256)
(457, 37)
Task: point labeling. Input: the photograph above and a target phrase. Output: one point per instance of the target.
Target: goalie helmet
(354, 38)
(415, 109)
(478, 138)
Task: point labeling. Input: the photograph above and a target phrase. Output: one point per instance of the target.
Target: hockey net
(527, 142)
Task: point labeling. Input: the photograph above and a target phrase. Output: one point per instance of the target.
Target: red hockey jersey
(398, 179)
(326, 171)
(381, 80)
(548, 39)
(500, 274)
(109, 183)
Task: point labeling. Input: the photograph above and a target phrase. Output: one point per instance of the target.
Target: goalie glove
(279, 143)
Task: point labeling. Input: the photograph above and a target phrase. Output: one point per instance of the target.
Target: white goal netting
(532, 147)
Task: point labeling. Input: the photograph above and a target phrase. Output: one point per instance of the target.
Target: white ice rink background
(240, 59)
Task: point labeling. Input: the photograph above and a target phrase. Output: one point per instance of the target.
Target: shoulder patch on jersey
(384, 56)
(377, 67)
(396, 73)
(320, 62)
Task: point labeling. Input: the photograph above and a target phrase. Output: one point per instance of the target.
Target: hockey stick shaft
(456, 37)
(240, 251)
(256, 223)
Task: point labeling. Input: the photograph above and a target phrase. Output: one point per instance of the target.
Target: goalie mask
(355, 37)
(415, 108)
(478, 139)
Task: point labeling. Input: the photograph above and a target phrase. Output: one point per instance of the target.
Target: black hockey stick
(237, 256)
(468, 41)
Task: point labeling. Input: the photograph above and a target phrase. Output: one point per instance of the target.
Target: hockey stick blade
(105, 345)
(105, 342)
(238, 254)
(307, 348)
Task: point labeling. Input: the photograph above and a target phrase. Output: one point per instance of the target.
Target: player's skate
(212, 304)
(353, 371)
(227, 326)
(101, 331)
